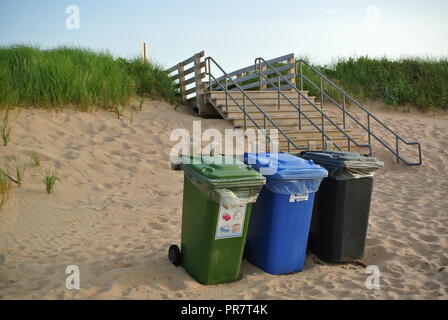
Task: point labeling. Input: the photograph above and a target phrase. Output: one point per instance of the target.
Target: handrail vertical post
(368, 128)
(321, 106)
(321, 92)
(323, 133)
(227, 98)
(244, 108)
(343, 111)
(301, 74)
(300, 110)
(278, 94)
(210, 87)
(265, 134)
(396, 147)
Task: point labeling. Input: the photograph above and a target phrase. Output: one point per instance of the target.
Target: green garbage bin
(217, 201)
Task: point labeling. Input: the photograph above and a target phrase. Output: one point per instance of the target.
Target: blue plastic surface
(280, 221)
(287, 174)
(278, 233)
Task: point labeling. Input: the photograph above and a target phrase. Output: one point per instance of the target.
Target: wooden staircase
(265, 96)
(284, 115)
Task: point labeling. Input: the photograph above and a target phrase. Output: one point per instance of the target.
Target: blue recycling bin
(280, 219)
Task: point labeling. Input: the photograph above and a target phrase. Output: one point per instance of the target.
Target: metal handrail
(370, 116)
(350, 140)
(245, 96)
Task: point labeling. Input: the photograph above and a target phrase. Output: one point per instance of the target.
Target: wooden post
(198, 83)
(182, 86)
(293, 70)
(144, 52)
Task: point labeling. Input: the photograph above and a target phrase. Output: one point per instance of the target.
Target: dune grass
(5, 187)
(35, 158)
(49, 178)
(416, 81)
(5, 127)
(30, 76)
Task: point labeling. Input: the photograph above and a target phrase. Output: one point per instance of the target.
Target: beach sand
(117, 208)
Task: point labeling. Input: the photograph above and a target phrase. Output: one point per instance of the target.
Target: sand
(117, 208)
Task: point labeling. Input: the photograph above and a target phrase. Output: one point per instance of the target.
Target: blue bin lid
(283, 166)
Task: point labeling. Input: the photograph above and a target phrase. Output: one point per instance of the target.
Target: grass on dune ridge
(30, 76)
(422, 82)
(73, 76)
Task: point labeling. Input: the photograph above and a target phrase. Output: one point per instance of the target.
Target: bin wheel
(174, 255)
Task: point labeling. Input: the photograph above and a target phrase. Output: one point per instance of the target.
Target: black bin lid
(340, 159)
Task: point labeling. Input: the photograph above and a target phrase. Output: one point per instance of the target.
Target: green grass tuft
(20, 174)
(74, 76)
(415, 81)
(35, 158)
(50, 177)
(5, 187)
(5, 127)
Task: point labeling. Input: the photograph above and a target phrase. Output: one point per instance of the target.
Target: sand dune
(117, 208)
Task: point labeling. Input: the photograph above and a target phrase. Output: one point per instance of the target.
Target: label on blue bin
(298, 197)
(231, 218)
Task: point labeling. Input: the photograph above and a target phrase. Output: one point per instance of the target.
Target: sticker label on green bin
(231, 218)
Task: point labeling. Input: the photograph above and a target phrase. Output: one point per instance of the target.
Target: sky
(233, 32)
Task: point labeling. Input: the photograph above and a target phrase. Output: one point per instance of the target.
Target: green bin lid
(222, 172)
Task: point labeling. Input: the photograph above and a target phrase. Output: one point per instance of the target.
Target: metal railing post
(301, 75)
(368, 128)
(321, 92)
(278, 94)
(244, 109)
(300, 111)
(227, 99)
(396, 147)
(343, 111)
(207, 70)
(323, 133)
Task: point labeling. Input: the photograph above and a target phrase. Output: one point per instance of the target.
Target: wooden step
(264, 102)
(271, 113)
(267, 106)
(283, 122)
(255, 94)
(360, 150)
(310, 134)
(340, 141)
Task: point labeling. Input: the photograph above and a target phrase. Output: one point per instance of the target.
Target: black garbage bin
(342, 204)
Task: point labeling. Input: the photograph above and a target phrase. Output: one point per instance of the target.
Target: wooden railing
(191, 89)
(249, 79)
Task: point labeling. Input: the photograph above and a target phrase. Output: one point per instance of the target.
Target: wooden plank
(254, 75)
(193, 79)
(185, 62)
(193, 68)
(190, 91)
(252, 67)
(264, 82)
